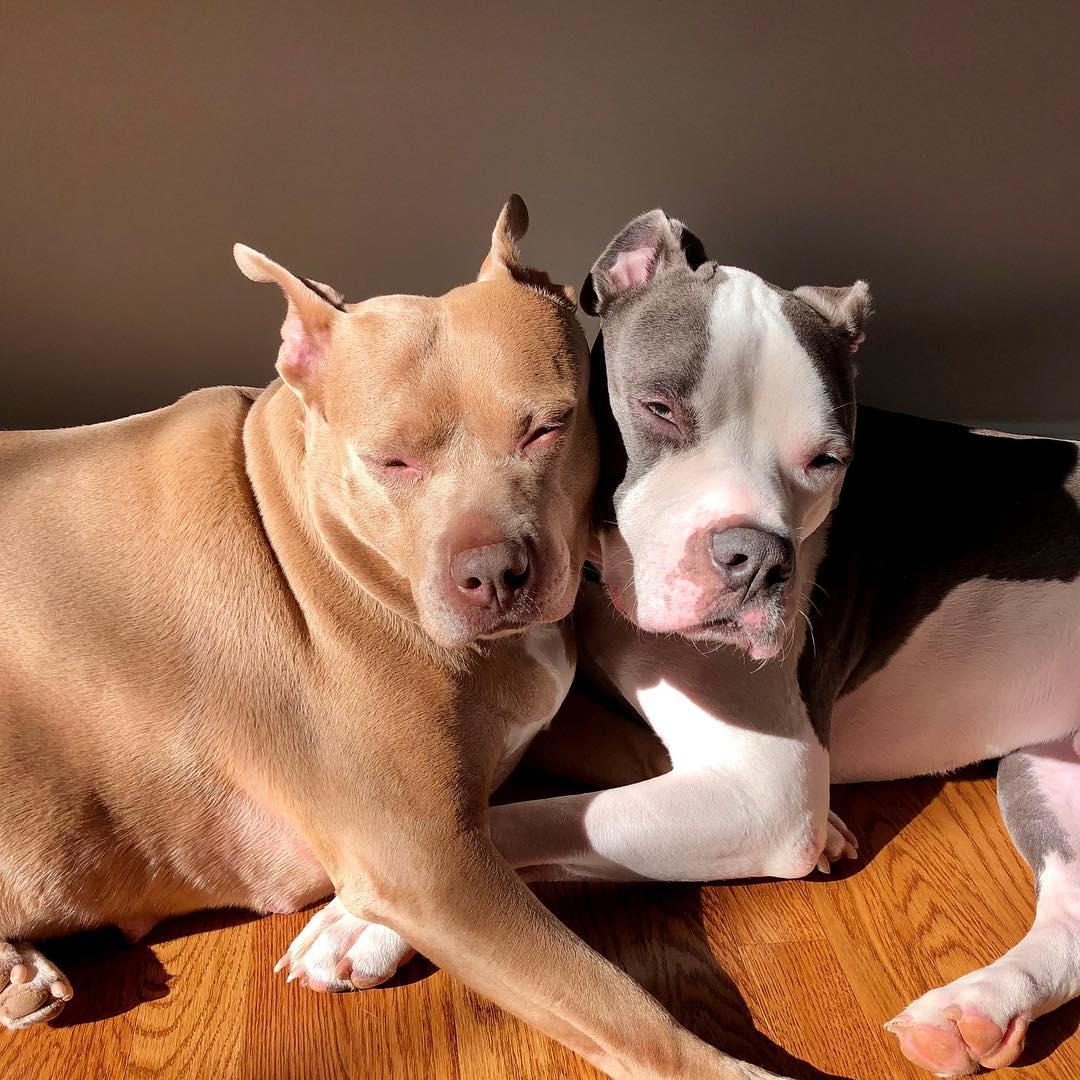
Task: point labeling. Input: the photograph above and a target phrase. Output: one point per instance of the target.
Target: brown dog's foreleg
(456, 900)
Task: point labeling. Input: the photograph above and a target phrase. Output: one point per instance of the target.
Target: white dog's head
(735, 403)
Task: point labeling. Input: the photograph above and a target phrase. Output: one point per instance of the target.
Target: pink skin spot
(632, 268)
(674, 603)
(762, 650)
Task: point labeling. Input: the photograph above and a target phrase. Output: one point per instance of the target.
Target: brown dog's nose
(493, 576)
(751, 560)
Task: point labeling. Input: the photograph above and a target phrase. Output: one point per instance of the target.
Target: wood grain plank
(838, 1040)
(770, 913)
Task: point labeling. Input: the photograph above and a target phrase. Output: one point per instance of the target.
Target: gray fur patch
(658, 346)
(1028, 816)
(828, 348)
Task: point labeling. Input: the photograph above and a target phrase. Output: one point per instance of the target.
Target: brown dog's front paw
(336, 952)
(32, 989)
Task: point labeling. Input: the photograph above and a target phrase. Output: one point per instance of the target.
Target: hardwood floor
(798, 976)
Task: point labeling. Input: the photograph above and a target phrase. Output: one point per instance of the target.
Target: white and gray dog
(819, 607)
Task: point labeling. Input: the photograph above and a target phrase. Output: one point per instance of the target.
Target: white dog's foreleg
(763, 814)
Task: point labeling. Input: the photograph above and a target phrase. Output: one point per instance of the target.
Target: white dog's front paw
(979, 1020)
(337, 951)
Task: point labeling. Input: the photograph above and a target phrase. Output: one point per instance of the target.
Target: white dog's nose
(751, 560)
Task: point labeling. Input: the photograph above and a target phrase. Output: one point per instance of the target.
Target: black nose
(492, 576)
(751, 560)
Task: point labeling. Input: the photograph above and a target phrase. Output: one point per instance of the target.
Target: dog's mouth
(757, 629)
(509, 630)
(456, 632)
(516, 619)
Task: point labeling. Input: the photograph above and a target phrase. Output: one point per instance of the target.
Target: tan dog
(260, 646)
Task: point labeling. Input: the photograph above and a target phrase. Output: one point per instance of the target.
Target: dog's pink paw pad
(960, 1043)
(939, 1050)
(980, 1034)
(1010, 1047)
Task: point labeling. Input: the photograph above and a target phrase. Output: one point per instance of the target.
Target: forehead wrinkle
(502, 417)
(410, 409)
(414, 432)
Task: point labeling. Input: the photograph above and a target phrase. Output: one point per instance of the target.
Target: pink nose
(492, 576)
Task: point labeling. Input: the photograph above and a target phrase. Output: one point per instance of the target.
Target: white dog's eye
(658, 408)
(827, 461)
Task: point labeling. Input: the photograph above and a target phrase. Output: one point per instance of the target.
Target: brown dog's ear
(305, 334)
(846, 308)
(504, 259)
(513, 224)
(651, 245)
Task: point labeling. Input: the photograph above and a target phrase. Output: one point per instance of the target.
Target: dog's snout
(751, 560)
(492, 576)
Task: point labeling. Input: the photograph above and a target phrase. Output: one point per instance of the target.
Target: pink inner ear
(300, 348)
(632, 268)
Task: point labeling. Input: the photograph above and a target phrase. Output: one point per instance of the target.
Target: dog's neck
(336, 578)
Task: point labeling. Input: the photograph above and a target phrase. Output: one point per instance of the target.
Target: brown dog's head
(450, 452)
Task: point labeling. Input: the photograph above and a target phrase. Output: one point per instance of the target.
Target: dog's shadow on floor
(123, 975)
(657, 936)
(1048, 1032)
(879, 812)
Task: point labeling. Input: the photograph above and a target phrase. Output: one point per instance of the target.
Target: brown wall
(932, 148)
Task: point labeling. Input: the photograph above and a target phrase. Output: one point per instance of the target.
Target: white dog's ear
(504, 259)
(846, 308)
(306, 331)
(650, 246)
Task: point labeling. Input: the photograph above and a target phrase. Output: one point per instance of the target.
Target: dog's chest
(553, 662)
